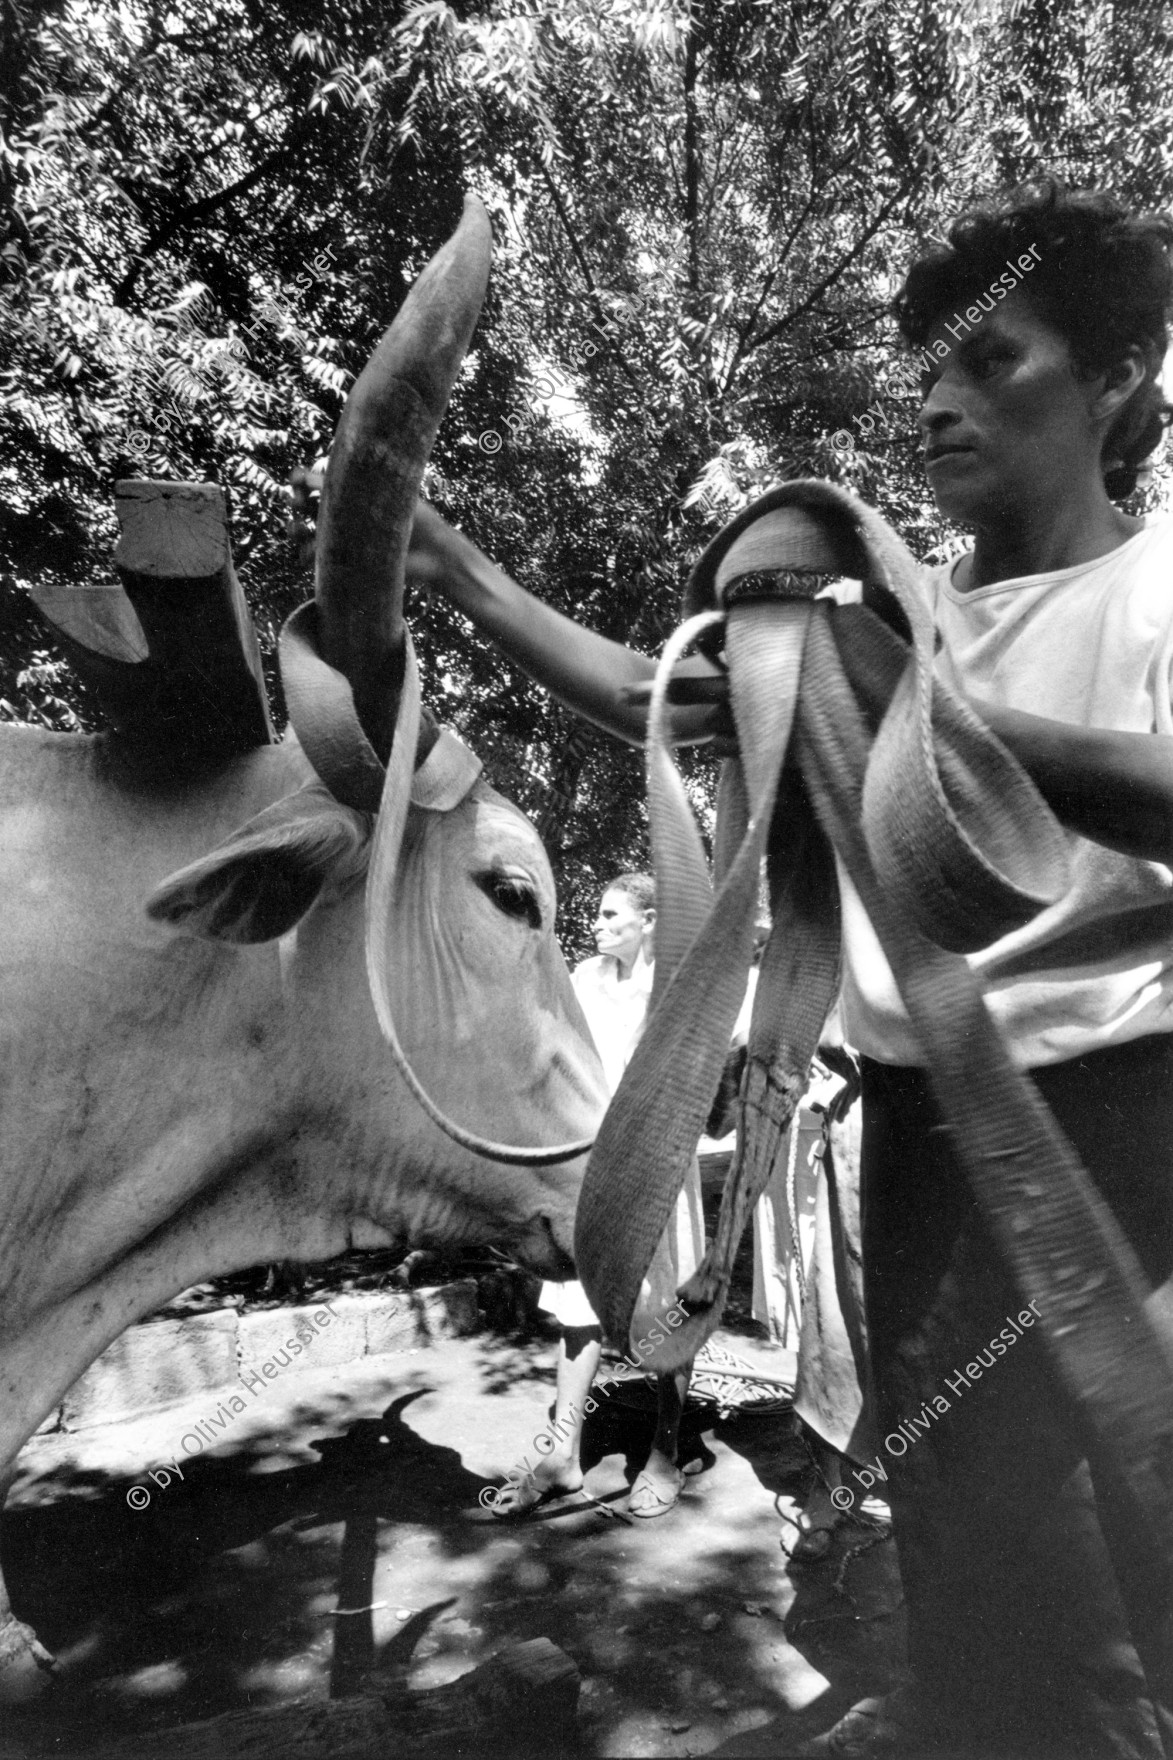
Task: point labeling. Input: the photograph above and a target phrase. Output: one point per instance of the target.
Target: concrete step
(162, 1363)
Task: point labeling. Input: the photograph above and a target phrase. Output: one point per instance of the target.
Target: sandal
(647, 1501)
(517, 1499)
(818, 1525)
(896, 1725)
(814, 1543)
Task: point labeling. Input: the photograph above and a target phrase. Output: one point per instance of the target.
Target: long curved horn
(376, 467)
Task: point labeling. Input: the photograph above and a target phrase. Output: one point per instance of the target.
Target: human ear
(1118, 383)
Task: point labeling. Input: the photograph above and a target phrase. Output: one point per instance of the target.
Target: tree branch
(154, 35)
(742, 348)
(691, 166)
(575, 248)
(744, 334)
(829, 280)
(675, 173)
(198, 211)
(584, 267)
(723, 178)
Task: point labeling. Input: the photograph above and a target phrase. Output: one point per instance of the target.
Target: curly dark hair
(1103, 281)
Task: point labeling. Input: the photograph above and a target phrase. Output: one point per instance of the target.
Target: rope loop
(322, 711)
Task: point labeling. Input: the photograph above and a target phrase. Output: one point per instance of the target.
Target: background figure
(830, 1392)
(783, 1219)
(614, 989)
(784, 1232)
(808, 1264)
(808, 1282)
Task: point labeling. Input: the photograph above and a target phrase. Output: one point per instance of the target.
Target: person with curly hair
(1041, 327)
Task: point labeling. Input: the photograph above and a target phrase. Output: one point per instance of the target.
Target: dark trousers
(1018, 1622)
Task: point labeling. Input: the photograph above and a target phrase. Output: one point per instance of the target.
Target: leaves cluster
(701, 210)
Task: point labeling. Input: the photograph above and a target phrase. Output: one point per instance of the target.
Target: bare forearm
(584, 670)
(1114, 788)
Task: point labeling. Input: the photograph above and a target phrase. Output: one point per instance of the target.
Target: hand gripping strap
(950, 847)
(321, 708)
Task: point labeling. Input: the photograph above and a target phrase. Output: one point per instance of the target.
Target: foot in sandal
(556, 1476)
(900, 1726)
(657, 1488)
(817, 1525)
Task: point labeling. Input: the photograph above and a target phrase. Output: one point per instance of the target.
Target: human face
(1009, 429)
(620, 927)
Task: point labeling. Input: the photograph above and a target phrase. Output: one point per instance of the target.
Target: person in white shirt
(614, 989)
(1042, 398)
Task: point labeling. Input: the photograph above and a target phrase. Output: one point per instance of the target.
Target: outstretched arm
(1115, 788)
(584, 670)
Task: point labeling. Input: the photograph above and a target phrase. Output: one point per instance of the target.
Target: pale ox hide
(177, 1108)
(181, 1105)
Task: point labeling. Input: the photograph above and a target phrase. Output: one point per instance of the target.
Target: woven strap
(847, 741)
(321, 708)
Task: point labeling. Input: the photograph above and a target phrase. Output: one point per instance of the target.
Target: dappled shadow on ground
(507, 1363)
(224, 1592)
(252, 1582)
(681, 1627)
(846, 1615)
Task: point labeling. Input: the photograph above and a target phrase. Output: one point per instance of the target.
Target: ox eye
(513, 895)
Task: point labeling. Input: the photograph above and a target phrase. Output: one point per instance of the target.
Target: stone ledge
(161, 1363)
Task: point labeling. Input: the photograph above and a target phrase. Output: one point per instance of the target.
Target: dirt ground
(359, 1488)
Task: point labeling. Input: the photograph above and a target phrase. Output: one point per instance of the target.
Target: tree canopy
(701, 212)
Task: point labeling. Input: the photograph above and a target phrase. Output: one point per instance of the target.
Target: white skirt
(680, 1251)
(567, 1302)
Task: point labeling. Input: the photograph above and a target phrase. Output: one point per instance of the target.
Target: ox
(192, 1088)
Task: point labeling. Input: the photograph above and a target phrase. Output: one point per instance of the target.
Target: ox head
(456, 941)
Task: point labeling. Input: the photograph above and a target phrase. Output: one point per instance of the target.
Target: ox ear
(265, 877)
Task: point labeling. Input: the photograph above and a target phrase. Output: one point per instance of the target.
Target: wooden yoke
(171, 654)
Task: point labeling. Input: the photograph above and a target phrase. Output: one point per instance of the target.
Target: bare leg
(658, 1486)
(558, 1468)
(820, 1516)
(578, 1364)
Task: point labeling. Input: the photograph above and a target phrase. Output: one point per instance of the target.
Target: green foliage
(193, 264)
(701, 212)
